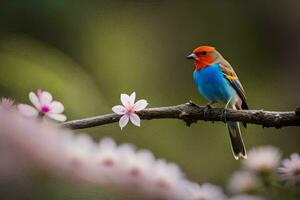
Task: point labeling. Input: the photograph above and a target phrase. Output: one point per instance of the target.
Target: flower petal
(120, 110)
(132, 98)
(56, 107)
(135, 119)
(125, 99)
(45, 98)
(140, 105)
(57, 117)
(27, 110)
(123, 121)
(34, 100)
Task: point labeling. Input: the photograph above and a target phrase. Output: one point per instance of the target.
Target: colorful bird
(218, 83)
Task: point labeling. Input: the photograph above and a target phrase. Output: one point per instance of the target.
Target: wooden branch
(191, 113)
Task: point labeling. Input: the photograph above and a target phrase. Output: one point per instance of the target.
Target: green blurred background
(88, 52)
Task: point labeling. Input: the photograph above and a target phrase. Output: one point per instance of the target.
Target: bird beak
(191, 56)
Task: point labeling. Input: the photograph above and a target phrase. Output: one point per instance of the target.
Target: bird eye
(203, 53)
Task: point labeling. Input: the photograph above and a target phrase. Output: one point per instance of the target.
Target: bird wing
(231, 76)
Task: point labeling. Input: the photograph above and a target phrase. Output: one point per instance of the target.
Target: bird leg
(224, 110)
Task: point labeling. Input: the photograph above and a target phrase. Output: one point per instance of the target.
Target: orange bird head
(204, 56)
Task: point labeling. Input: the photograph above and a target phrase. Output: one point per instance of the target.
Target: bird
(218, 83)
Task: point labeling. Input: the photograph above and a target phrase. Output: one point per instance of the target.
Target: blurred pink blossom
(264, 159)
(207, 191)
(246, 197)
(244, 182)
(290, 170)
(128, 109)
(48, 147)
(43, 104)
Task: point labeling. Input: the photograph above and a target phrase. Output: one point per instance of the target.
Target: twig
(191, 113)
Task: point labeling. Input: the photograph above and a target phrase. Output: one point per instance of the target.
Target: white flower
(246, 197)
(43, 104)
(290, 170)
(128, 109)
(263, 159)
(207, 191)
(243, 182)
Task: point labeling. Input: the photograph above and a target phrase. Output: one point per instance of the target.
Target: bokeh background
(89, 52)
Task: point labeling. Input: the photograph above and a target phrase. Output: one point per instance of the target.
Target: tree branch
(191, 113)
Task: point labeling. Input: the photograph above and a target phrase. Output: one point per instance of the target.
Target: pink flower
(43, 104)
(128, 109)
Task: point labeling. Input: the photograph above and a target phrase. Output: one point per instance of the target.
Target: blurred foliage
(88, 52)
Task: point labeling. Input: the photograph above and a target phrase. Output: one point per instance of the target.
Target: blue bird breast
(213, 85)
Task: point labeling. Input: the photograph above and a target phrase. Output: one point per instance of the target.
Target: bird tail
(237, 144)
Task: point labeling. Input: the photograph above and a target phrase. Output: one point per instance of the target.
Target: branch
(191, 113)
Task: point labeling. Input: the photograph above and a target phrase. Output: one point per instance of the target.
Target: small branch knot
(190, 103)
(186, 118)
(183, 114)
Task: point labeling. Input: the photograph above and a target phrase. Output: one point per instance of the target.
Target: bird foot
(223, 115)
